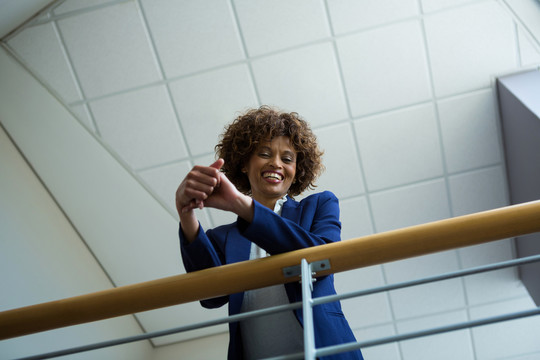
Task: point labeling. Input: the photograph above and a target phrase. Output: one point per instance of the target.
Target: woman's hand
(207, 186)
(227, 197)
(197, 186)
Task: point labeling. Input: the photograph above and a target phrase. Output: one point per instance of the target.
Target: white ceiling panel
(256, 18)
(109, 49)
(140, 126)
(40, 47)
(193, 35)
(14, 13)
(207, 102)
(305, 80)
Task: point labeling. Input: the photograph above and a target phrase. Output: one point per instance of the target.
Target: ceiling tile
(446, 346)
(140, 126)
(193, 35)
(164, 180)
(410, 205)
(355, 218)
(429, 298)
(209, 101)
(503, 307)
(529, 51)
(385, 68)
(389, 351)
(452, 317)
(15, 14)
(488, 253)
(494, 286)
(399, 147)
(470, 131)
(81, 112)
(365, 310)
(480, 190)
(340, 154)
(527, 13)
(272, 25)
(352, 15)
(468, 46)
(40, 48)
(516, 339)
(109, 49)
(305, 80)
(421, 266)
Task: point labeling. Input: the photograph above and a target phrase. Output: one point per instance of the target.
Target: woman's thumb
(218, 164)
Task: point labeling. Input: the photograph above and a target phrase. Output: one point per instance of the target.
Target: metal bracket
(296, 270)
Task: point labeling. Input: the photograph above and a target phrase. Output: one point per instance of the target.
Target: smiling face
(271, 170)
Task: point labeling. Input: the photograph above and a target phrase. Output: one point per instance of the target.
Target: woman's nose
(275, 161)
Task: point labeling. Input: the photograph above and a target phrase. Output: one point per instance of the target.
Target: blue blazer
(310, 222)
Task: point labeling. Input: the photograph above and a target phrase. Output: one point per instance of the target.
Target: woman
(265, 158)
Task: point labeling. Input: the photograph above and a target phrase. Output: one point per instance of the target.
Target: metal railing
(374, 249)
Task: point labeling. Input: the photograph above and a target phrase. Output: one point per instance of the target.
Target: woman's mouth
(272, 176)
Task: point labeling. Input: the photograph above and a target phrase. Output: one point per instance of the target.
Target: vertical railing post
(307, 309)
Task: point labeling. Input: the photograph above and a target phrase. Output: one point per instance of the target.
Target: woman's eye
(287, 160)
(264, 155)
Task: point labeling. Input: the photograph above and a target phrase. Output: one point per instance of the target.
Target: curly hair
(244, 135)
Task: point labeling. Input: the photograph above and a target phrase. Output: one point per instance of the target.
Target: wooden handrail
(346, 255)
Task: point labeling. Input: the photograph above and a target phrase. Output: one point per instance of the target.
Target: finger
(192, 194)
(205, 174)
(202, 179)
(218, 164)
(199, 183)
(193, 204)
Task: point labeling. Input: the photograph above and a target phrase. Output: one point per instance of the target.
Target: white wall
(42, 259)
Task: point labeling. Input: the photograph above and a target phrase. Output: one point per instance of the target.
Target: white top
(275, 334)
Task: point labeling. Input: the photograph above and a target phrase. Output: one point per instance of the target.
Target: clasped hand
(206, 186)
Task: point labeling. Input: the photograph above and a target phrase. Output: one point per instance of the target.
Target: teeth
(270, 175)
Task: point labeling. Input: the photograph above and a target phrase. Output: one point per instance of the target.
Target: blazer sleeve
(202, 253)
(318, 224)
